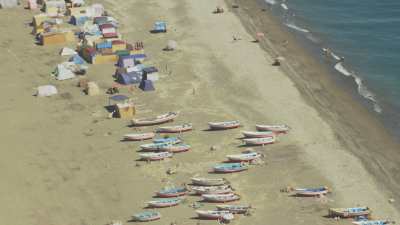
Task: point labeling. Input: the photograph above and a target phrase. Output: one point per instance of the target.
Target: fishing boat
(175, 129)
(246, 156)
(275, 128)
(168, 140)
(349, 212)
(172, 192)
(178, 148)
(163, 203)
(235, 209)
(224, 125)
(258, 134)
(230, 197)
(260, 141)
(371, 222)
(229, 168)
(164, 118)
(215, 215)
(200, 190)
(155, 156)
(152, 147)
(138, 137)
(208, 181)
(147, 216)
(311, 191)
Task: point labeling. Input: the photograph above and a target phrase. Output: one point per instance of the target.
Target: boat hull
(138, 137)
(220, 198)
(209, 182)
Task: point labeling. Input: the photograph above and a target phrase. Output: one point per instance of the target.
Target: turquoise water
(366, 33)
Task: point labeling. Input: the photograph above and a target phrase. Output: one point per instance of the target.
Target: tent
(67, 51)
(150, 73)
(46, 91)
(63, 71)
(160, 26)
(76, 59)
(8, 3)
(126, 61)
(129, 78)
(146, 85)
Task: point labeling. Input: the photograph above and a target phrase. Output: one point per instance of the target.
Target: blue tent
(126, 61)
(146, 85)
(76, 59)
(129, 78)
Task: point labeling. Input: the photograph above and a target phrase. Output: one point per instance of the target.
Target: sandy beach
(63, 161)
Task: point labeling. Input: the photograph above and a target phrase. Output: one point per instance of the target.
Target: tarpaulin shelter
(8, 3)
(160, 26)
(129, 78)
(67, 51)
(76, 59)
(79, 19)
(63, 71)
(46, 91)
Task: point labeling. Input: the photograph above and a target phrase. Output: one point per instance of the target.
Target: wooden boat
(138, 137)
(162, 203)
(260, 141)
(258, 134)
(172, 192)
(275, 128)
(371, 222)
(208, 181)
(175, 148)
(229, 168)
(175, 129)
(156, 120)
(169, 140)
(200, 190)
(311, 191)
(244, 156)
(153, 147)
(147, 216)
(235, 209)
(224, 125)
(155, 156)
(349, 212)
(215, 215)
(230, 197)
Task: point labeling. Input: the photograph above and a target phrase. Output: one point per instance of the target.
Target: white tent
(67, 52)
(8, 3)
(46, 90)
(64, 72)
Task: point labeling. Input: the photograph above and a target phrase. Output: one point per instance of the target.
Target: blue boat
(164, 202)
(229, 168)
(371, 222)
(311, 191)
(173, 192)
(170, 140)
(147, 216)
(349, 212)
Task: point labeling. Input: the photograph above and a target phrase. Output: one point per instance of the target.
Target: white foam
(293, 26)
(271, 2)
(361, 88)
(335, 56)
(284, 6)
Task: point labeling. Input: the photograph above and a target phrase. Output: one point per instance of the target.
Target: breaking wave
(294, 27)
(271, 2)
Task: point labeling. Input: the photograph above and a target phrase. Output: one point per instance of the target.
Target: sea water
(366, 33)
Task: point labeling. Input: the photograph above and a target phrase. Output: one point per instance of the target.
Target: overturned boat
(230, 197)
(229, 168)
(175, 129)
(138, 137)
(164, 118)
(283, 128)
(224, 125)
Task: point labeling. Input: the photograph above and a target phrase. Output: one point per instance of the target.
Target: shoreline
(346, 115)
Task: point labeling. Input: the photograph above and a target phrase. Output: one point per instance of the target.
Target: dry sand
(63, 163)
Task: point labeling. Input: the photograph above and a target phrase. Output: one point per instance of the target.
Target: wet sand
(63, 163)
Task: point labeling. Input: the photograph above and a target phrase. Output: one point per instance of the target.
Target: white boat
(139, 137)
(215, 215)
(154, 156)
(164, 202)
(275, 128)
(156, 120)
(224, 125)
(201, 190)
(175, 129)
(209, 181)
(244, 157)
(259, 141)
(230, 197)
(311, 191)
(178, 148)
(147, 216)
(258, 134)
(235, 209)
